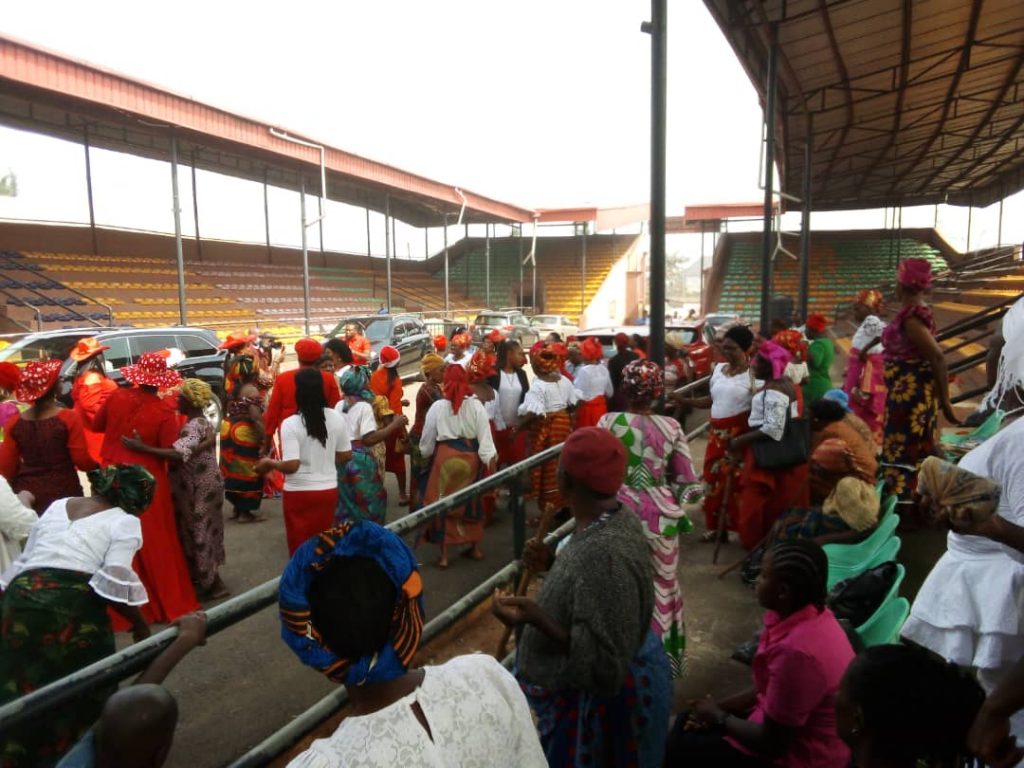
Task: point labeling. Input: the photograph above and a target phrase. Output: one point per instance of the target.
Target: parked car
(512, 323)
(696, 345)
(560, 324)
(405, 332)
(203, 360)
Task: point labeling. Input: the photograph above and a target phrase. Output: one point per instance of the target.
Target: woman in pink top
(788, 717)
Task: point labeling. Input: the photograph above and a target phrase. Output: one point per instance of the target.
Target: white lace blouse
(868, 331)
(730, 395)
(548, 397)
(102, 544)
(477, 714)
(768, 412)
(593, 380)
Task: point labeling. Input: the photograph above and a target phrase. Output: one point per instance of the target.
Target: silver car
(560, 324)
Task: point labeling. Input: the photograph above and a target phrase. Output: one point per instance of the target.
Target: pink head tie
(915, 274)
(778, 356)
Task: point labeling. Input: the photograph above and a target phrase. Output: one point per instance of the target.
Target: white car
(545, 324)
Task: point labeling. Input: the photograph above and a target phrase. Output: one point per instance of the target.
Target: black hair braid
(309, 397)
(803, 566)
(917, 707)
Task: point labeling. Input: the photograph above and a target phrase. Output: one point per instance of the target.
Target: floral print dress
(660, 480)
(197, 488)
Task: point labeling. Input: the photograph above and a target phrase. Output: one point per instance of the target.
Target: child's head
(136, 728)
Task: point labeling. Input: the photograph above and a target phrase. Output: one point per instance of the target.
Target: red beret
(308, 350)
(621, 339)
(595, 458)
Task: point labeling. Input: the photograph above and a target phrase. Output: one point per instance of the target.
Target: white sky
(537, 103)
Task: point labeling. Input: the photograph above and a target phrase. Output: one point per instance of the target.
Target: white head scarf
(1011, 359)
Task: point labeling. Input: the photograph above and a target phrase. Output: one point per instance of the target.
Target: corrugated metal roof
(909, 101)
(49, 93)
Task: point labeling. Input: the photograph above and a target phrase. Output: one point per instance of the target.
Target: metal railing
(135, 658)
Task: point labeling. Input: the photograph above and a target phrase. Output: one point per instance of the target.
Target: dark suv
(203, 360)
(407, 333)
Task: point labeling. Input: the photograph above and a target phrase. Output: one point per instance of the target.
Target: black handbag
(857, 598)
(794, 447)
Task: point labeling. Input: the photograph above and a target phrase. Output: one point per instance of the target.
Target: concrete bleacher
(559, 263)
(842, 263)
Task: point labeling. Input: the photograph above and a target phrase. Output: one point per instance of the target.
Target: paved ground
(245, 684)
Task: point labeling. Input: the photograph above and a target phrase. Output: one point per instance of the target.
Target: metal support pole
(487, 263)
(88, 189)
(970, 212)
(521, 297)
(305, 257)
(583, 272)
(447, 304)
(426, 243)
(899, 235)
(533, 258)
(769, 183)
(195, 208)
(702, 267)
(394, 245)
(999, 231)
(182, 319)
(320, 224)
(805, 228)
(369, 253)
(266, 214)
(656, 313)
(387, 246)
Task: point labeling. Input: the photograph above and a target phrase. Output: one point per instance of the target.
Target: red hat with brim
(37, 378)
(237, 340)
(151, 371)
(86, 348)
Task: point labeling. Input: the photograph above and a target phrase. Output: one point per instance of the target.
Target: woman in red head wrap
(916, 379)
(593, 384)
(865, 367)
(457, 441)
(820, 354)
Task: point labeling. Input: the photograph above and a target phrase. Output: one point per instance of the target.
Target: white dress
(16, 521)
(970, 609)
(477, 714)
(102, 544)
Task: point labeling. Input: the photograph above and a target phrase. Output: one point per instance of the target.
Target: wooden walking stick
(527, 575)
(723, 513)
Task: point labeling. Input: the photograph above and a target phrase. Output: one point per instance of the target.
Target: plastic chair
(979, 434)
(884, 627)
(889, 551)
(845, 560)
(887, 507)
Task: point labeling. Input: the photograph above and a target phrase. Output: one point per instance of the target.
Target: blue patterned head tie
(355, 385)
(840, 397)
(353, 539)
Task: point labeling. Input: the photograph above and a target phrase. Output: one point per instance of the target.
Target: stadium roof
(912, 102)
(48, 93)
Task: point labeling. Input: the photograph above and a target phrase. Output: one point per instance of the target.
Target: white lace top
(477, 714)
(548, 397)
(768, 412)
(102, 544)
(16, 521)
(869, 330)
(593, 380)
(470, 422)
(730, 395)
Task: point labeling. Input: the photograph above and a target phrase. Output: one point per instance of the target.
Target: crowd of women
(791, 464)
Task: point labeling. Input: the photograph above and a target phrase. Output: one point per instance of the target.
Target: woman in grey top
(595, 675)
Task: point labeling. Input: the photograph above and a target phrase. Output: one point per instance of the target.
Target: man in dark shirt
(623, 357)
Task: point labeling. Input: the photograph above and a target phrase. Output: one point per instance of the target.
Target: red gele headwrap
(496, 336)
(462, 339)
(481, 367)
(621, 340)
(440, 343)
(791, 340)
(817, 323)
(595, 458)
(456, 386)
(547, 358)
(308, 350)
(592, 349)
(915, 274)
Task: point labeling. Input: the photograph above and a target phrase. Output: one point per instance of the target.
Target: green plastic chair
(982, 432)
(880, 487)
(846, 560)
(887, 508)
(884, 627)
(892, 594)
(889, 551)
